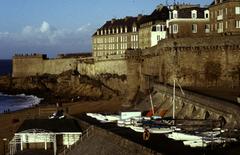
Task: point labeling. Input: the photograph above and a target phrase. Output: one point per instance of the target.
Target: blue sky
(62, 26)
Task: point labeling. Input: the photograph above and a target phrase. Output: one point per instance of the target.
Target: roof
(160, 13)
(187, 12)
(53, 125)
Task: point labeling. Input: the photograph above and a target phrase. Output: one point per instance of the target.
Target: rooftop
(53, 125)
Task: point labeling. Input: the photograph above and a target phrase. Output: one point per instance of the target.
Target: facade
(225, 17)
(115, 36)
(188, 21)
(153, 27)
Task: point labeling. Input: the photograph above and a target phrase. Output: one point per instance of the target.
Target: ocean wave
(17, 102)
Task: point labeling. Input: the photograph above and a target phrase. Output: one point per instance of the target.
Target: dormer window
(206, 14)
(194, 14)
(109, 31)
(134, 29)
(158, 28)
(105, 31)
(97, 32)
(175, 14)
(113, 31)
(116, 30)
(125, 29)
(101, 32)
(121, 30)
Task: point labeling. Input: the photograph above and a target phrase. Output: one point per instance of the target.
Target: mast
(174, 85)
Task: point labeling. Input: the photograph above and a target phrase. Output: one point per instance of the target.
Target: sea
(10, 103)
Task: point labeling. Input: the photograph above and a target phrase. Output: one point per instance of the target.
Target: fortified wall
(198, 62)
(38, 64)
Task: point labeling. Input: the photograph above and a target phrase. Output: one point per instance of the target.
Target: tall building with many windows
(225, 17)
(153, 27)
(188, 21)
(115, 36)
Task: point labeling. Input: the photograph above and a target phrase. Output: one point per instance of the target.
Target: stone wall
(24, 66)
(202, 62)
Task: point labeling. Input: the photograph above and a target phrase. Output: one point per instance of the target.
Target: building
(188, 21)
(115, 36)
(225, 17)
(47, 134)
(153, 27)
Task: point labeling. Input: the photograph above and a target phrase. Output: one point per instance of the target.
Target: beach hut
(47, 134)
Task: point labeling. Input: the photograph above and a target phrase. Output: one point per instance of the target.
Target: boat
(162, 130)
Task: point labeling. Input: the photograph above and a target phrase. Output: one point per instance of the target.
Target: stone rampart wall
(115, 66)
(31, 66)
(201, 62)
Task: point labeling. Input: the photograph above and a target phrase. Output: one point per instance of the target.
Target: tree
(213, 71)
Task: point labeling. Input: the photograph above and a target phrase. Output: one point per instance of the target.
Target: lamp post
(4, 145)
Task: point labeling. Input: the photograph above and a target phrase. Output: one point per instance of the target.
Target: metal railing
(85, 134)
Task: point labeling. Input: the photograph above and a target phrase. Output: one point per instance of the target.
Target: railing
(85, 134)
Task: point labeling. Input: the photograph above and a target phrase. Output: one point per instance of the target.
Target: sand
(8, 124)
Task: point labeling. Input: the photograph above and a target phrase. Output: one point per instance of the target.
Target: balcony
(220, 17)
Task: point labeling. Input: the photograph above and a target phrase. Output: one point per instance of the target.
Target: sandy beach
(10, 122)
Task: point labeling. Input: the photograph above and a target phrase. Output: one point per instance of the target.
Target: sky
(62, 26)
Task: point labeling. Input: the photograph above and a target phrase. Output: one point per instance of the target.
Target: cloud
(47, 39)
(45, 27)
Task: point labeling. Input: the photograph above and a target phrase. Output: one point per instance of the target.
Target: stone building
(115, 36)
(225, 17)
(153, 27)
(188, 21)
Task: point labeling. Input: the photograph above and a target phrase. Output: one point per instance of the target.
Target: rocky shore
(66, 87)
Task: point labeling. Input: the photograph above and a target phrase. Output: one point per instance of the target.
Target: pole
(174, 99)
(151, 103)
(4, 145)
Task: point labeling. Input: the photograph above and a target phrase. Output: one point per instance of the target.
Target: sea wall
(202, 62)
(33, 65)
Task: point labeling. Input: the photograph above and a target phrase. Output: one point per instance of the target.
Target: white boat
(152, 130)
(183, 136)
(195, 143)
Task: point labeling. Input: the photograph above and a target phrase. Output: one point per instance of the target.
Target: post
(174, 98)
(4, 145)
(55, 145)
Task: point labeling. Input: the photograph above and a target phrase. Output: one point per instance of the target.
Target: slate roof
(186, 12)
(157, 14)
(53, 125)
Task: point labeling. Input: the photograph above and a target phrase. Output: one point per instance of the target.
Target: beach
(11, 121)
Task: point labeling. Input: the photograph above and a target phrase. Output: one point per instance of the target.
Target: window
(134, 29)
(158, 37)
(125, 29)
(175, 28)
(194, 28)
(207, 28)
(175, 14)
(206, 14)
(237, 23)
(158, 28)
(117, 30)
(237, 10)
(194, 14)
(226, 25)
(226, 11)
